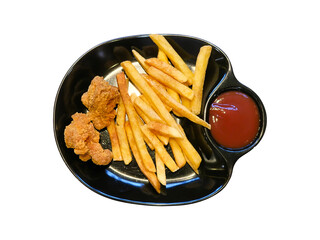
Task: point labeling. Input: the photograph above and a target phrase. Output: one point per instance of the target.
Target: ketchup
(234, 119)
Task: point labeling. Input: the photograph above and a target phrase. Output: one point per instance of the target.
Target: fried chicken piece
(84, 139)
(101, 99)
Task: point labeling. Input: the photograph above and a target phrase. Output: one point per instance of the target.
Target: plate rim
(155, 203)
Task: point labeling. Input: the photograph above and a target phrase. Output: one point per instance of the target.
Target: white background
(274, 190)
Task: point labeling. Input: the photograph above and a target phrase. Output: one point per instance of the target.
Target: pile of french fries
(167, 84)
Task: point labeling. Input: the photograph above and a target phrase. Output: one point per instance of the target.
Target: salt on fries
(163, 88)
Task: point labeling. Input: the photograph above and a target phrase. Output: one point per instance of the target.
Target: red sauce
(234, 119)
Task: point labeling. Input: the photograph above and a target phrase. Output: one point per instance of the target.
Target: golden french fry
(141, 60)
(144, 137)
(147, 110)
(176, 97)
(133, 118)
(173, 94)
(115, 145)
(163, 129)
(140, 82)
(124, 145)
(150, 104)
(191, 164)
(190, 153)
(161, 170)
(151, 176)
(174, 57)
(133, 96)
(170, 82)
(178, 107)
(144, 117)
(162, 56)
(163, 139)
(159, 148)
(177, 153)
(186, 102)
(121, 113)
(199, 76)
(167, 68)
(123, 141)
(181, 129)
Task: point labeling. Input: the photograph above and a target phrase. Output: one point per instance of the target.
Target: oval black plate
(126, 183)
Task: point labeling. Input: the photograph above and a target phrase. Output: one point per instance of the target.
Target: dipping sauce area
(234, 119)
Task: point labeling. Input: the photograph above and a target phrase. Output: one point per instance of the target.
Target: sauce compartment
(229, 83)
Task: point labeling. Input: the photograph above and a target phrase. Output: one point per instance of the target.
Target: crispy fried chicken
(84, 138)
(101, 99)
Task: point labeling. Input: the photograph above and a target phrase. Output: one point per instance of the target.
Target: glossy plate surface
(127, 183)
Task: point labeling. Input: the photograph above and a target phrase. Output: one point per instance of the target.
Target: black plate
(126, 183)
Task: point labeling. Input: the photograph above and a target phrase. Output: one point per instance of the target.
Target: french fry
(178, 107)
(181, 129)
(142, 118)
(151, 176)
(199, 76)
(133, 118)
(141, 60)
(167, 68)
(162, 56)
(148, 91)
(170, 82)
(146, 139)
(121, 113)
(121, 133)
(176, 97)
(115, 145)
(147, 109)
(174, 57)
(186, 102)
(142, 115)
(150, 104)
(191, 164)
(163, 129)
(190, 153)
(163, 139)
(140, 82)
(124, 145)
(146, 119)
(133, 96)
(159, 148)
(177, 153)
(161, 170)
